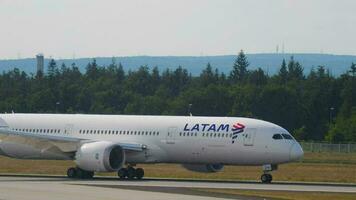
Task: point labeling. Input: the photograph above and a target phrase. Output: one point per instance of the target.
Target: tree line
(316, 106)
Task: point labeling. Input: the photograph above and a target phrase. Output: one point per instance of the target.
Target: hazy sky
(88, 28)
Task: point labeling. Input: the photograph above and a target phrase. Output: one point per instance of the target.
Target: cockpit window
(287, 137)
(277, 136)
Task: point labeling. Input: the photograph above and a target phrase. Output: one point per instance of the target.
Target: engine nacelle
(100, 157)
(208, 168)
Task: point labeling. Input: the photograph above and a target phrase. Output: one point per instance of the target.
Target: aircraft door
(68, 129)
(249, 136)
(171, 133)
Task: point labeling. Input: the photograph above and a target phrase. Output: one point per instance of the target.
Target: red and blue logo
(236, 129)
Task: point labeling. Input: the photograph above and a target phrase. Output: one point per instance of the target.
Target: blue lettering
(185, 128)
(212, 127)
(224, 127)
(195, 128)
(208, 127)
(204, 125)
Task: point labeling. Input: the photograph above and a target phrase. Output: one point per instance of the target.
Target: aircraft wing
(62, 143)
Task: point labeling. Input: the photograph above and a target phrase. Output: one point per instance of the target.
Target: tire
(269, 178)
(131, 173)
(122, 173)
(140, 173)
(89, 175)
(80, 173)
(266, 178)
(71, 172)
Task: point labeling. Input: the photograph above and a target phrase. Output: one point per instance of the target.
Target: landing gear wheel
(266, 178)
(79, 173)
(89, 175)
(71, 172)
(122, 173)
(131, 173)
(139, 173)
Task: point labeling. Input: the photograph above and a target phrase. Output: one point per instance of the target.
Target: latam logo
(235, 129)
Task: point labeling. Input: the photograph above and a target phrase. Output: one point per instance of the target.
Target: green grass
(316, 167)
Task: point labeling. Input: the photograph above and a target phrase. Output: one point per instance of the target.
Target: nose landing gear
(266, 177)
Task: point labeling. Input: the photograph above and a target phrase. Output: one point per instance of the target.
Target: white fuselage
(169, 139)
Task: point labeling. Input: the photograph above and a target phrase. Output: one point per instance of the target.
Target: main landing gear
(131, 173)
(79, 173)
(266, 176)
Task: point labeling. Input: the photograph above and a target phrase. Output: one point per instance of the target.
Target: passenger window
(277, 136)
(287, 137)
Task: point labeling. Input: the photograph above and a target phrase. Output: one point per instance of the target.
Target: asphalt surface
(25, 187)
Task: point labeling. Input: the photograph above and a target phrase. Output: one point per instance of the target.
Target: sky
(93, 28)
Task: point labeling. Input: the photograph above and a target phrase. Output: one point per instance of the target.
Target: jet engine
(100, 157)
(208, 168)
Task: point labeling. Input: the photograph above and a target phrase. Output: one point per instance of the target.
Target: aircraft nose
(296, 152)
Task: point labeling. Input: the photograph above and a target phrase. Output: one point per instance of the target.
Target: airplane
(117, 143)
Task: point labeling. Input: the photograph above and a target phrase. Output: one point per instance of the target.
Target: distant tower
(40, 62)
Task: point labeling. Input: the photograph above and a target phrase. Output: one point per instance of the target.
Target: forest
(313, 106)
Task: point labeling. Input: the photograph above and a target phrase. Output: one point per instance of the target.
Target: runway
(56, 187)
